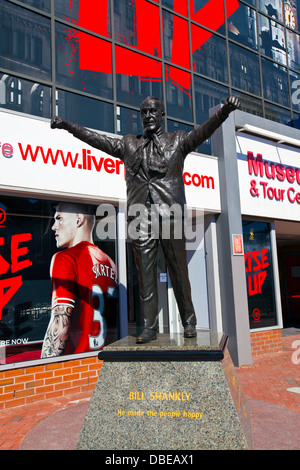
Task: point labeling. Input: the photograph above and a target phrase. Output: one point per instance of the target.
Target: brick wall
(45, 382)
(263, 342)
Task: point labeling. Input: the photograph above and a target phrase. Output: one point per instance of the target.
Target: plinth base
(162, 400)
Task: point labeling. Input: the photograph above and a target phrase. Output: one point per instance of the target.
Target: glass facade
(93, 62)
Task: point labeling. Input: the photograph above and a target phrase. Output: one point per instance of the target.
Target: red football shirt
(85, 278)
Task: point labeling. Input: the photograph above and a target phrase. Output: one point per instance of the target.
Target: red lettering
(293, 196)
(118, 163)
(8, 287)
(261, 278)
(109, 165)
(98, 165)
(255, 255)
(264, 257)
(185, 175)
(290, 174)
(255, 283)
(280, 172)
(255, 165)
(252, 289)
(17, 252)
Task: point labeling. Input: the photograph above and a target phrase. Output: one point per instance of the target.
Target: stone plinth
(170, 394)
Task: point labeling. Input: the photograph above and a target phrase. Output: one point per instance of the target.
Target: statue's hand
(231, 104)
(58, 123)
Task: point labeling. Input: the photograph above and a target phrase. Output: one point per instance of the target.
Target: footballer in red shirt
(84, 284)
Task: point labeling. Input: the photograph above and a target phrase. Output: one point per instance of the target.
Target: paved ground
(271, 384)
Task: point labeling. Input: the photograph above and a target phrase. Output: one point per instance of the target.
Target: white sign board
(269, 178)
(35, 158)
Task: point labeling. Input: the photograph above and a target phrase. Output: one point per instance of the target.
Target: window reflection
(41, 4)
(249, 104)
(67, 10)
(242, 26)
(178, 97)
(275, 85)
(124, 22)
(207, 95)
(272, 8)
(244, 69)
(24, 96)
(85, 111)
(174, 126)
(296, 121)
(128, 121)
(272, 39)
(277, 114)
(211, 60)
(179, 7)
(75, 71)
(293, 48)
(133, 90)
(24, 41)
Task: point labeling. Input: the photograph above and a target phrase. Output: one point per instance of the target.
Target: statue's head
(152, 114)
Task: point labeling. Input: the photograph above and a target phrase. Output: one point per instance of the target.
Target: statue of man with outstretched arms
(154, 176)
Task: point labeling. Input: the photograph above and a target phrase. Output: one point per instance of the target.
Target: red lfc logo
(93, 16)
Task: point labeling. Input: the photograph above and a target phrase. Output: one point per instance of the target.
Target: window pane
(176, 40)
(251, 2)
(272, 41)
(128, 121)
(207, 95)
(124, 22)
(133, 90)
(25, 96)
(293, 47)
(242, 26)
(85, 111)
(249, 104)
(211, 59)
(24, 41)
(174, 126)
(275, 113)
(68, 10)
(178, 93)
(74, 68)
(244, 69)
(272, 8)
(275, 82)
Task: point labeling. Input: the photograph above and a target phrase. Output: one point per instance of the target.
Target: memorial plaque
(169, 394)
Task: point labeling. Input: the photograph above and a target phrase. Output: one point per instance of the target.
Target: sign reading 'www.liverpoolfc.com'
(34, 158)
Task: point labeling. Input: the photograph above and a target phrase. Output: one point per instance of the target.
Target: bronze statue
(154, 167)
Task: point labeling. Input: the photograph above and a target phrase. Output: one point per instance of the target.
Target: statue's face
(152, 115)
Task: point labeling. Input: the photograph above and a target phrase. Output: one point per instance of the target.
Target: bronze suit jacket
(164, 187)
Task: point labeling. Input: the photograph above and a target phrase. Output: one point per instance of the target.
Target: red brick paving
(272, 374)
